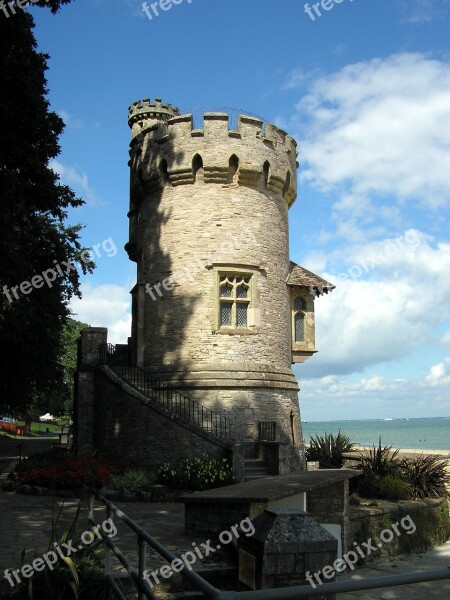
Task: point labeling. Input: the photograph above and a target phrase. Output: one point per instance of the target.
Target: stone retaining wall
(430, 517)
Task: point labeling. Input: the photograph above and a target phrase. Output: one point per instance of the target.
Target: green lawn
(38, 428)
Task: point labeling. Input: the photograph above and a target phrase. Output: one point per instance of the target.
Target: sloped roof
(300, 276)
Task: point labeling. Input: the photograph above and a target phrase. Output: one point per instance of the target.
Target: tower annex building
(219, 312)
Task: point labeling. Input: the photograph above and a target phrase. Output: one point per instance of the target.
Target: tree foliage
(34, 234)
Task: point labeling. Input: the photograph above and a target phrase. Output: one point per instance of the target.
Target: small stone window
(234, 300)
(266, 173)
(299, 319)
(197, 169)
(233, 167)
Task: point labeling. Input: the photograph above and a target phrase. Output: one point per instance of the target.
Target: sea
(418, 434)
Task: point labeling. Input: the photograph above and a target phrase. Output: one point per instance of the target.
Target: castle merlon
(266, 157)
(142, 115)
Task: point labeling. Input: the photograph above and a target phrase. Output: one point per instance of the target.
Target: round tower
(212, 308)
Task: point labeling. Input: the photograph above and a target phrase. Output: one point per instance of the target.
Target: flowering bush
(201, 473)
(70, 473)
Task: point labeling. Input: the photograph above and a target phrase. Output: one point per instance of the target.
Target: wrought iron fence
(167, 397)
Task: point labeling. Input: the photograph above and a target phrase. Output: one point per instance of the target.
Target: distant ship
(388, 419)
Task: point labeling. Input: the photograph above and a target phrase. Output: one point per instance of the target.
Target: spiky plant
(427, 475)
(380, 461)
(328, 449)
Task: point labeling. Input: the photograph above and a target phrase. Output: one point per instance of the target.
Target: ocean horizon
(431, 433)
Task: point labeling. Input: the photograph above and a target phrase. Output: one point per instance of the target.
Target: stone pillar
(287, 548)
(329, 505)
(89, 358)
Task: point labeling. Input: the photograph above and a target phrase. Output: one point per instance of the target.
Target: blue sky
(365, 90)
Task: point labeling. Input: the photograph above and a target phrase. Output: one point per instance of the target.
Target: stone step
(250, 462)
(257, 472)
(254, 477)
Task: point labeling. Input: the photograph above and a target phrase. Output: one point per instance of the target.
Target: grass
(40, 428)
(37, 430)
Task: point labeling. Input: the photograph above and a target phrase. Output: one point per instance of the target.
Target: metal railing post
(108, 552)
(142, 564)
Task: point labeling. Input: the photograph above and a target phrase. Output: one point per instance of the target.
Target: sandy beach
(407, 452)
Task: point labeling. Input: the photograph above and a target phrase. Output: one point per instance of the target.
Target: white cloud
(373, 397)
(108, 306)
(380, 127)
(390, 297)
(445, 340)
(419, 12)
(78, 180)
(439, 374)
(298, 77)
(70, 120)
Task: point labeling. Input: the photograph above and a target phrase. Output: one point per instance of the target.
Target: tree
(38, 250)
(70, 335)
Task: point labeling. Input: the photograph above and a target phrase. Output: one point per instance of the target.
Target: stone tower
(219, 311)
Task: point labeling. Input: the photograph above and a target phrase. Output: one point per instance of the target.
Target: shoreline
(410, 451)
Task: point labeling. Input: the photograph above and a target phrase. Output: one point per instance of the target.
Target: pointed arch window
(299, 319)
(233, 166)
(197, 168)
(287, 184)
(266, 172)
(163, 169)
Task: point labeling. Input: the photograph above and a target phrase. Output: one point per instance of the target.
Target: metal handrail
(213, 593)
(173, 401)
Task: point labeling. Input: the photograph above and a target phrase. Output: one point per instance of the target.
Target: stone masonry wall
(127, 428)
(330, 505)
(247, 407)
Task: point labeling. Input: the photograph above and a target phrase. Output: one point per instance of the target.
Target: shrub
(380, 461)
(201, 473)
(328, 449)
(68, 473)
(43, 458)
(132, 480)
(367, 485)
(393, 488)
(426, 475)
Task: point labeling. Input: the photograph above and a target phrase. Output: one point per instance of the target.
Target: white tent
(47, 417)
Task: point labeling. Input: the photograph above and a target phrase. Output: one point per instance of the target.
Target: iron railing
(167, 397)
(213, 593)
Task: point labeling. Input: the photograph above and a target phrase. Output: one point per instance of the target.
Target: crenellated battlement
(171, 150)
(146, 112)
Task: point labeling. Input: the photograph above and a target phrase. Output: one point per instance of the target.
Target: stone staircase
(169, 399)
(255, 468)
